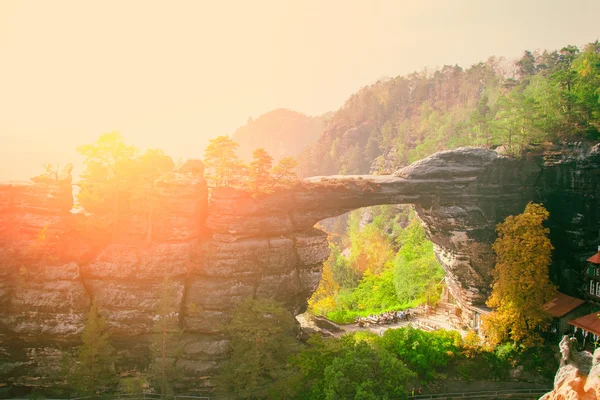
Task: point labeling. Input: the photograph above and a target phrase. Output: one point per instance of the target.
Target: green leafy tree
(349, 368)
(423, 352)
(363, 372)
(262, 338)
(223, 167)
(376, 292)
(260, 171)
(94, 372)
(417, 273)
(134, 386)
(526, 65)
(541, 100)
(521, 283)
(343, 273)
(510, 126)
(586, 87)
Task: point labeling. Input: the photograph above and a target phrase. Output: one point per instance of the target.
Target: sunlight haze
(175, 74)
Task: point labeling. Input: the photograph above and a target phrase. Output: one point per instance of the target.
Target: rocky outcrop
(215, 253)
(53, 263)
(578, 377)
(569, 187)
(460, 195)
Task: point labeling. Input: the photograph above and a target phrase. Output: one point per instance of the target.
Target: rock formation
(578, 377)
(215, 253)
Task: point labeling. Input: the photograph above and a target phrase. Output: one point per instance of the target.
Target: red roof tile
(589, 323)
(595, 259)
(562, 304)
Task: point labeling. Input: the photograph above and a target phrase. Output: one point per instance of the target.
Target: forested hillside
(381, 260)
(544, 96)
(281, 132)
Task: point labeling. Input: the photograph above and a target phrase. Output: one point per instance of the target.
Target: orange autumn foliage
(521, 283)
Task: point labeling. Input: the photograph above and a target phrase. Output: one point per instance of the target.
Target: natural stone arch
(235, 245)
(460, 195)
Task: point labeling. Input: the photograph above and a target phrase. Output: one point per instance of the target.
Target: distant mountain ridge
(281, 132)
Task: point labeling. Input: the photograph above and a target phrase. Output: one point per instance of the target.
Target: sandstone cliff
(217, 252)
(578, 377)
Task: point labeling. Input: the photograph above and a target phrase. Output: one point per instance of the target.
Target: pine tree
(260, 170)
(521, 283)
(94, 368)
(223, 166)
(284, 171)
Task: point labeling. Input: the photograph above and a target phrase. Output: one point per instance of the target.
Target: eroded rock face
(569, 187)
(50, 275)
(216, 253)
(460, 195)
(578, 377)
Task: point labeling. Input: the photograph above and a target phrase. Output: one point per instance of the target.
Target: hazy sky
(172, 74)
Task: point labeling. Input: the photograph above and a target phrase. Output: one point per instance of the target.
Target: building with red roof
(592, 279)
(590, 326)
(595, 259)
(564, 308)
(589, 323)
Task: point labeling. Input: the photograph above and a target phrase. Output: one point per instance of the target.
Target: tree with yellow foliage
(471, 344)
(323, 299)
(521, 283)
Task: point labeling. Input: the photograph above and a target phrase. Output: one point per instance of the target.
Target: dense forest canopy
(544, 96)
(385, 264)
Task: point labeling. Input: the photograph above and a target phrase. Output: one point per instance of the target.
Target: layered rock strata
(460, 196)
(53, 263)
(215, 253)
